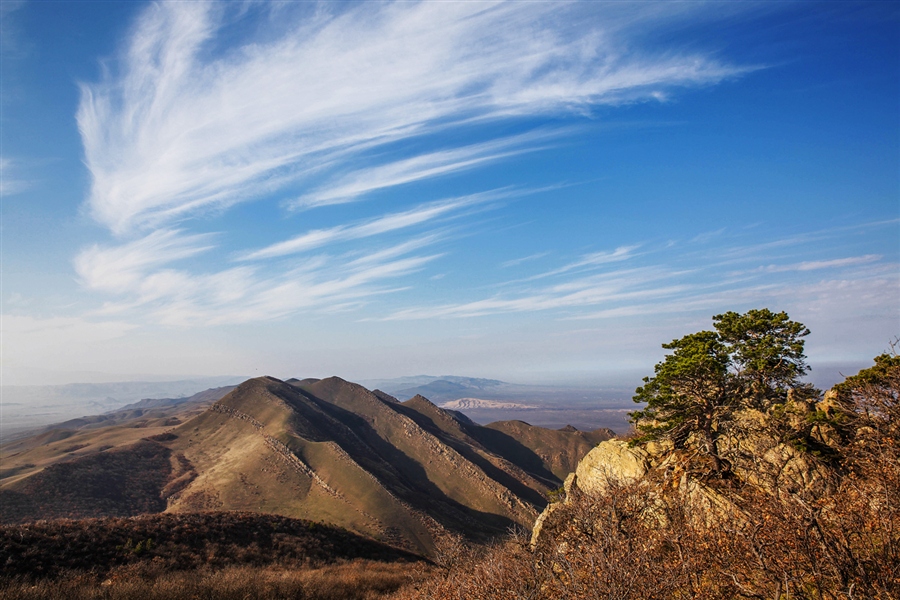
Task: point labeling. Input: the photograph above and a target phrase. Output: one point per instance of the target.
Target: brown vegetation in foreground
(716, 536)
(355, 580)
(178, 542)
(627, 545)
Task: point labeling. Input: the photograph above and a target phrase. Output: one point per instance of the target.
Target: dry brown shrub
(653, 539)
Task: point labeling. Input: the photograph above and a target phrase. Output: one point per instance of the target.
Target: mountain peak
(327, 450)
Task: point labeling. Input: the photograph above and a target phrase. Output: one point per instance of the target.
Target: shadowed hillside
(558, 450)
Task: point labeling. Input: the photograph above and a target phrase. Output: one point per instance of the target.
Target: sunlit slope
(87, 436)
(267, 448)
(457, 431)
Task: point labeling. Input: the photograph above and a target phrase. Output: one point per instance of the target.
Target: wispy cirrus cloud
(815, 265)
(10, 181)
(621, 285)
(424, 166)
(310, 106)
(122, 268)
(594, 259)
(178, 128)
(518, 261)
(245, 294)
(373, 227)
(666, 279)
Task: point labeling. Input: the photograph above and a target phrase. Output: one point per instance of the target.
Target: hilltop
(406, 473)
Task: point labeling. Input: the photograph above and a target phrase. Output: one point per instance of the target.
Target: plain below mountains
(405, 473)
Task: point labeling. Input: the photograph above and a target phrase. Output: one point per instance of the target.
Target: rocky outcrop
(612, 462)
(782, 450)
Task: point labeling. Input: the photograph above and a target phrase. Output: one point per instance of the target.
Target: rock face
(757, 452)
(612, 462)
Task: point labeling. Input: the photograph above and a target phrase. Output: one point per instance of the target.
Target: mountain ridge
(328, 450)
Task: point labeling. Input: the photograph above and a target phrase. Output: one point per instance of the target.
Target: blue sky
(530, 191)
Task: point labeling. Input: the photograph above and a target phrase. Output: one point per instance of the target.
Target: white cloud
(240, 294)
(518, 261)
(384, 224)
(122, 268)
(323, 106)
(176, 128)
(815, 265)
(659, 286)
(590, 261)
(626, 285)
(423, 166)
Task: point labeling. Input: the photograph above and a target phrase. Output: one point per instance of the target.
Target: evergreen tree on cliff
(749, 361)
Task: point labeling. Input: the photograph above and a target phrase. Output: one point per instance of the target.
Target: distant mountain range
(28, 407)
(445, 387)
(326, 450)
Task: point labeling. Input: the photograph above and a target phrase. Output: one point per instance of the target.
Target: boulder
(612, 462)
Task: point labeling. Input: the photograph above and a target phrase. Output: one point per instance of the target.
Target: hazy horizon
(821, 375)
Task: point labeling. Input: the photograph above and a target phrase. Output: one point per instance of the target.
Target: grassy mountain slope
(426, 470)
(96, 433)
(122, 482)
(326, 450)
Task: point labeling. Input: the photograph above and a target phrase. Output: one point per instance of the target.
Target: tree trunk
(712, 445)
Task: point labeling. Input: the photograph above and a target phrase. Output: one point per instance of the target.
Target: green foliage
(750, 360)
(871, 398)
(766, 352)
(882, 376)
(688, 393)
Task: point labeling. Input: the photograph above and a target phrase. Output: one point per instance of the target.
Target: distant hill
(560, 450)
(326, 450)
(138, 420)
(26, 408)
(210, 395)
(445, 387)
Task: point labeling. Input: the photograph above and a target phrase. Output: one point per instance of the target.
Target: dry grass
(179, 542)
(627, 545)
(356, 580)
